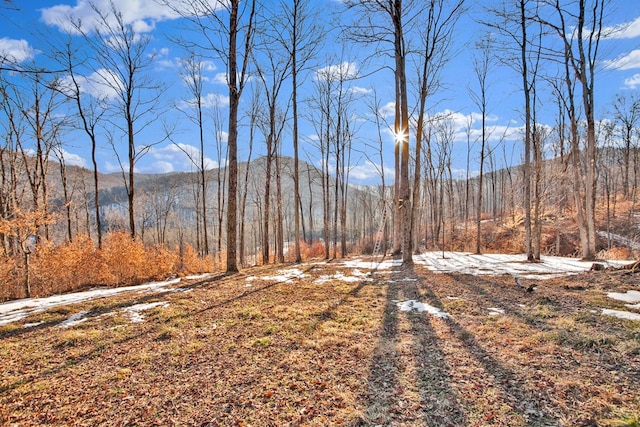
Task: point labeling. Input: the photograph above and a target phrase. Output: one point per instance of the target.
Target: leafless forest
(573, 191)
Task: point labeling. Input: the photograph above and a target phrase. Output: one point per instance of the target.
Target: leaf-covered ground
(323, 344)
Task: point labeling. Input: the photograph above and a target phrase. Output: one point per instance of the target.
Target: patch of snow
(621, 314)
(629, 296)
(32, 325)
(370, 265)
(633, 306)
(134, 311)
(13, 317)
(421, 307)
(74, 320)
(496, 264)
(494, 311)
(358, 276)
(281, 276)
(358, 273)
(14, 311)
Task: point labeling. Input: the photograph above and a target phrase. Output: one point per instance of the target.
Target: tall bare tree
(302, 40)
(481, 66)
(442, 16)
(626, 110)
(122, 58)
(520, 49)
(578, 24)
(386, 21)
(192, 75)
(224, 25)
(273, 68)
(90, 109)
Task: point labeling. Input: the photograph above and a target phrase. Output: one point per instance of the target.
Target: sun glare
(400, 136)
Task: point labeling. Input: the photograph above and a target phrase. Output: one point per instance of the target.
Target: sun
(400, 136)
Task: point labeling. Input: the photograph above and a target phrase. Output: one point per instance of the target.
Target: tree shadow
(524, 399)
(439, 404)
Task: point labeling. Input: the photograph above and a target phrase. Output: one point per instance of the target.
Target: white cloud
(211, 100)
(360, 90)
(627, 30)
(369, 170)
(72, 159)
(345, 70)
(632, 82)
(493, 133)
(102, 84)
(177, 157)
(388, 109)
(140, 14)
(16, 51)
(110, 167)
(223, 136)
(625, 62)
(159, 166)
(220, 78)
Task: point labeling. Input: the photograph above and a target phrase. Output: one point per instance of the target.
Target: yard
(347, 342)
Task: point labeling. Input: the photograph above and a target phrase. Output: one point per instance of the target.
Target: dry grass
(266, 353)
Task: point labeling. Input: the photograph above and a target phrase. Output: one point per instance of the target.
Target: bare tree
(90, 112)
(224, 24)
(273, 67)
(521, 51)
(122, 57)
(626, 110)
(442, 16)
(193, 77)
(579, 27)
(253, 118)
(481, 66)
(301, 42)
(386, 22)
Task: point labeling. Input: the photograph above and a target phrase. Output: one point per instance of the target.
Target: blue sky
(28, 27)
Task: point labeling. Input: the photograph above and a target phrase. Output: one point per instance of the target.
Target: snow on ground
(356, 276)
(492, 264)
(494, 311)
(74, 320)
(495, 264)
(281, 276)
(134, 311)
(420, 307)
(14, 311)
(447, 262)
(630, 297)
(373, 265)
(198, 276)
(621, 314)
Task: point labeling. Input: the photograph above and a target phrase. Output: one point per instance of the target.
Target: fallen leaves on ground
(320, 348)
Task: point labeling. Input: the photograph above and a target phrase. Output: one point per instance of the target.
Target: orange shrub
(192, 263)
(615, 253)
(65, 267)
(10, 282)
(316, 250)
